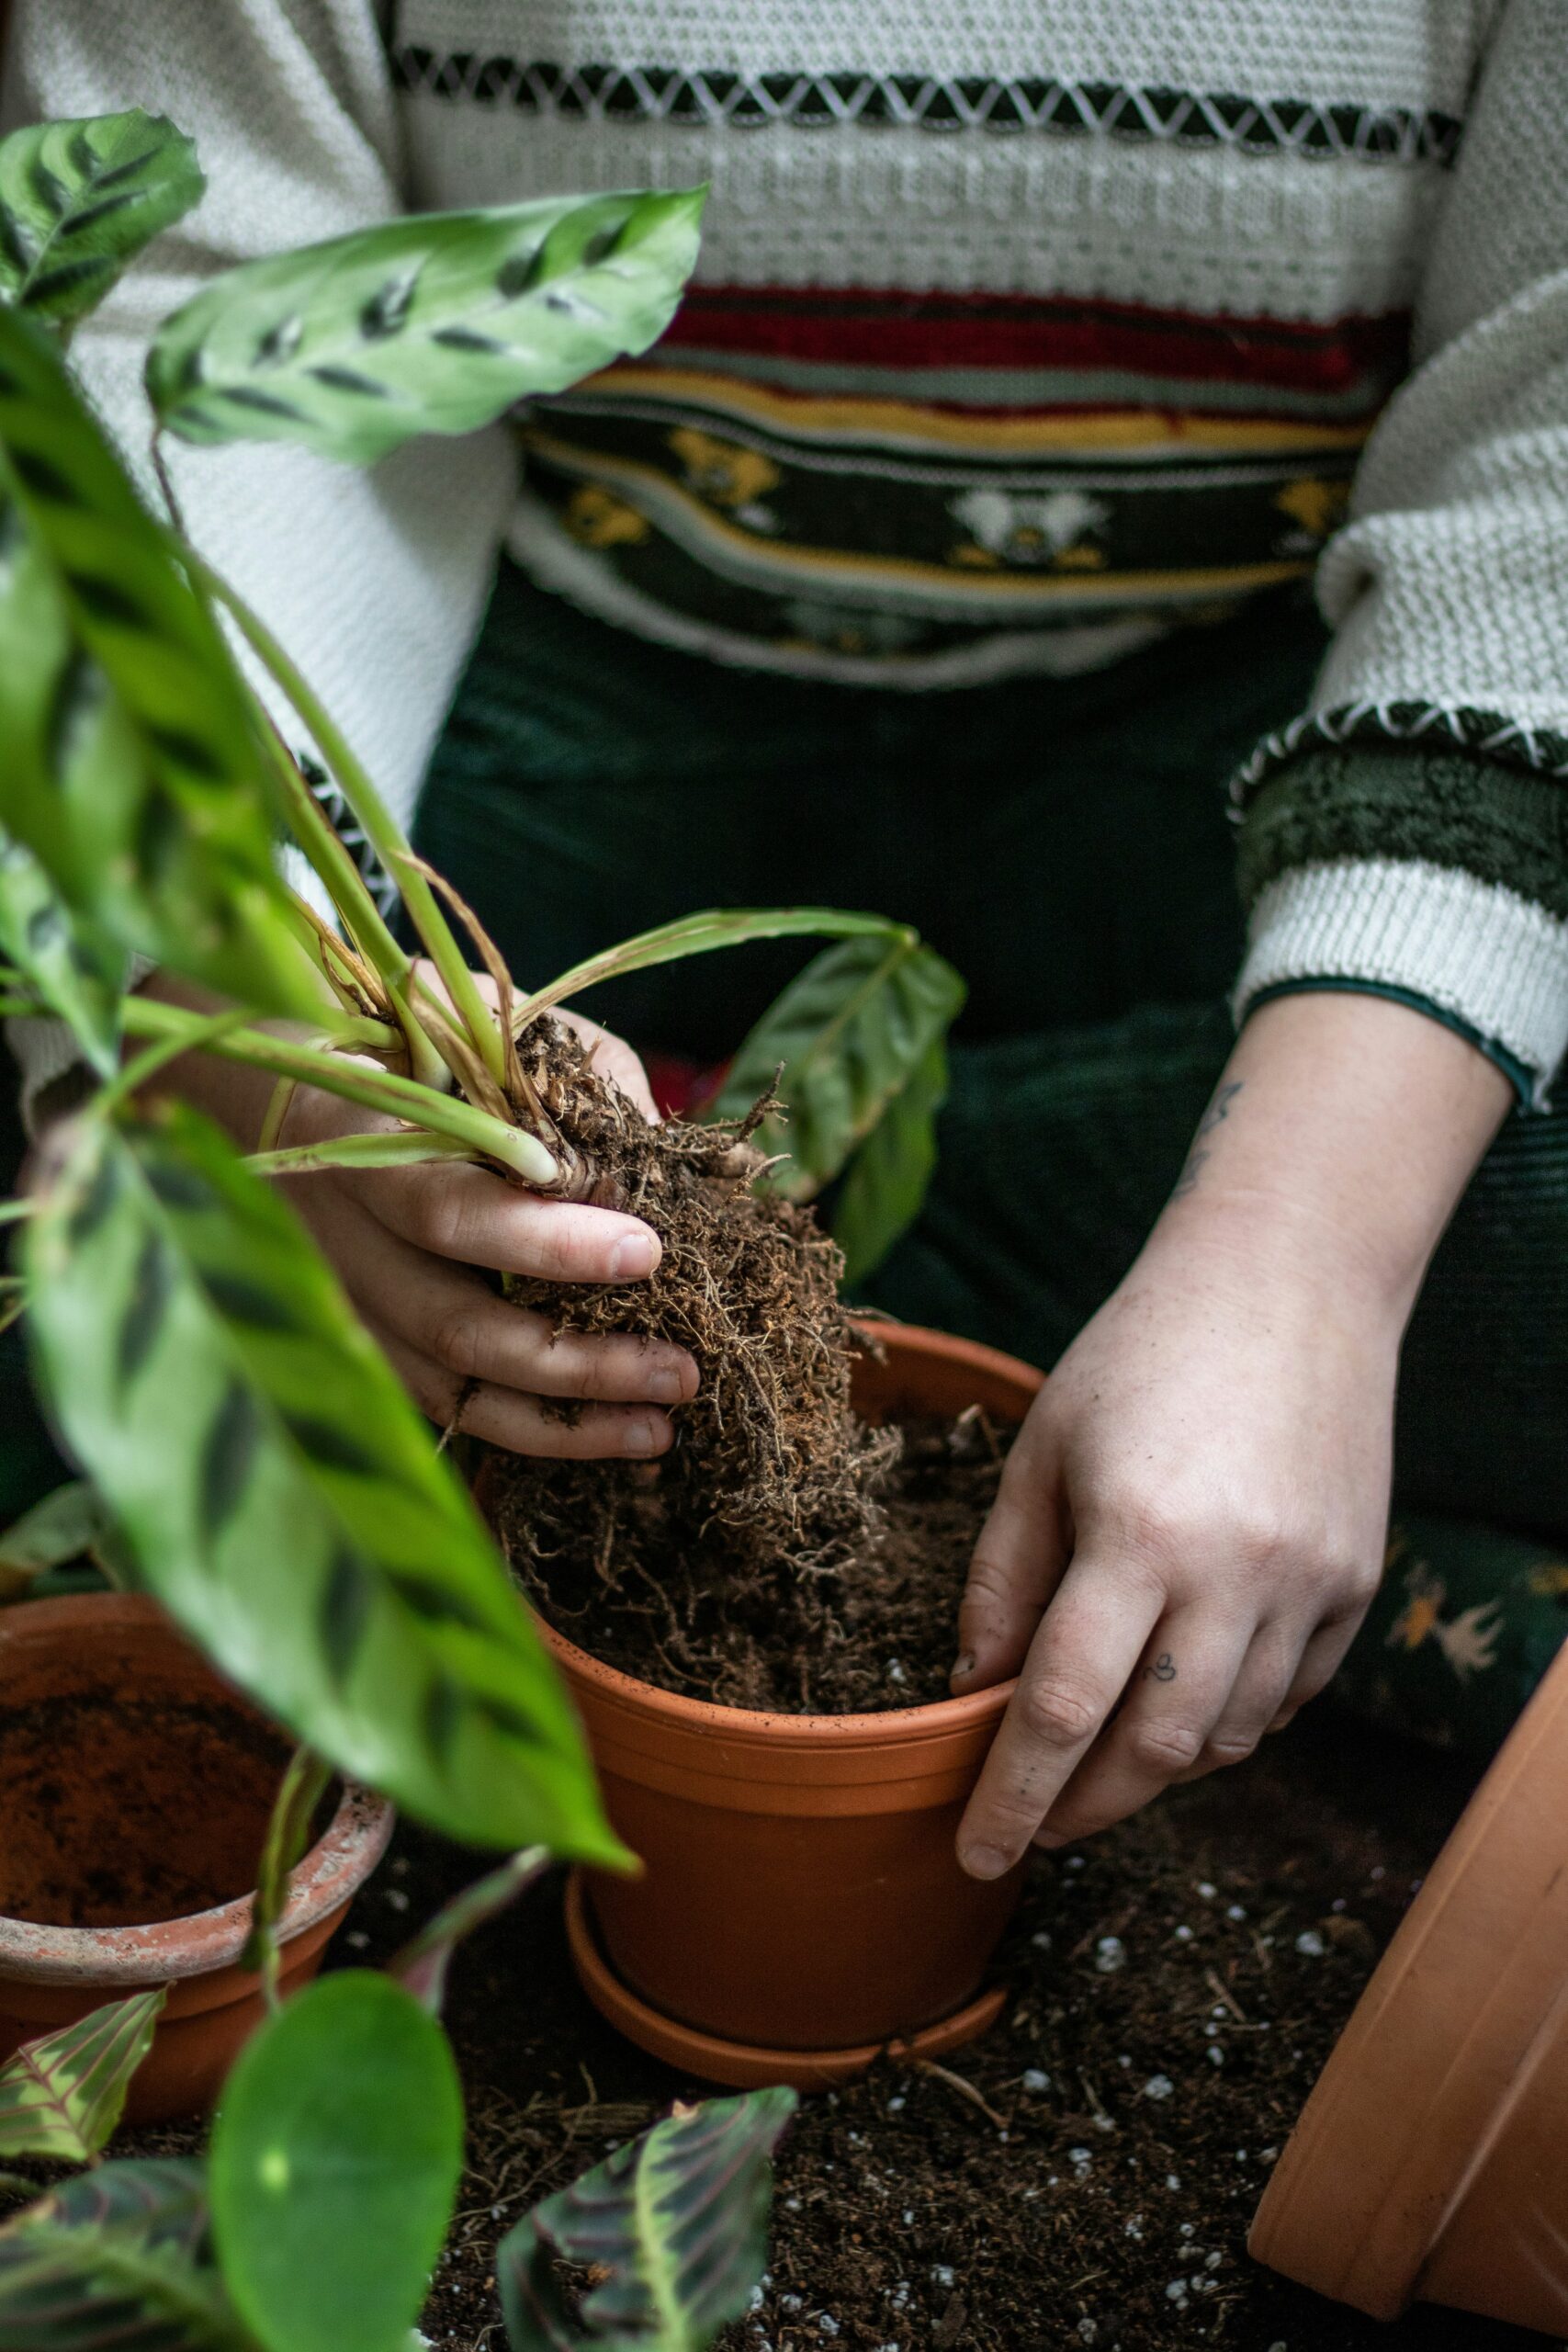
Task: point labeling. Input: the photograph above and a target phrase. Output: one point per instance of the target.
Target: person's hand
(1191, 1523)
(407, 1242)
(1189, 1529)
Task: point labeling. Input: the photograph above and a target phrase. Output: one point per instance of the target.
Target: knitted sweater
(1024, 330)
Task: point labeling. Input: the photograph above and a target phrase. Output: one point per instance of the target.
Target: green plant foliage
(882, 1194)
(281, 1496)
(674, 2225)
(115, 2261)
(860, 1036)
(65, 1525)
(435, 324)
(335, 2162)
(131, 769)
(76, 976)
(698, 936)
(63, 2093)
(79, 199)
(422, 1964)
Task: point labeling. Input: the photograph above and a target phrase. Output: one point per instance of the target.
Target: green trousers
(1066, 844)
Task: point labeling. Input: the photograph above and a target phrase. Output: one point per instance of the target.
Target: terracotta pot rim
(888, 1726)
(195, 1943)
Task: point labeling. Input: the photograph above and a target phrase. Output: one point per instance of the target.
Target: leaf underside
(281, 1496)
(436, 322)
(674, 2227)
(80, 199)
(62, 2094)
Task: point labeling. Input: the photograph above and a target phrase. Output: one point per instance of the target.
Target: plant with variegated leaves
(266, 1477)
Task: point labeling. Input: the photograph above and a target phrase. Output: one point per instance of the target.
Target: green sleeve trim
(1519, 1077)
(1444, 808)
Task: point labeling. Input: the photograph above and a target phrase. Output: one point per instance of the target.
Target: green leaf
(115, 2261)
(133, 770)
(335, 2163)
(434, 324)
(65, 1525)
(398, 1150)
(423, 1963)
(63, 2093)
(78, 975)
(678, 2219)
(887, 1178)
(80, 199)
(697, 935)
(281, 1496)
(850, 1031)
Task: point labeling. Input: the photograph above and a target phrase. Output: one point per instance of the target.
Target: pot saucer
(744, 2066)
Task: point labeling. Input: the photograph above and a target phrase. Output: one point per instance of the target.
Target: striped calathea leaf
(80, 199)
(674, 2227)
(133, 769)
(278, 1493)
(435, 324)
(860, 1037)
(73, 972)
(62, 2094)
(117, 2260)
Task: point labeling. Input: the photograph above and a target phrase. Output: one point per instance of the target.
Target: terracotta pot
(1428, 2162)
(801, 1904)
(137, 1791)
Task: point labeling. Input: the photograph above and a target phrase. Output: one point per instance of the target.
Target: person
(950, 555)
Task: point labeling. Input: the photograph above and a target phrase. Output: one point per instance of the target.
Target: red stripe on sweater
(864, 328)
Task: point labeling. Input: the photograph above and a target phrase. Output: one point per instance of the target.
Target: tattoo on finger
(1162, 1671)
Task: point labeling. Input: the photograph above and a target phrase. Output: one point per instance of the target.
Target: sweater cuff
(1494, 961)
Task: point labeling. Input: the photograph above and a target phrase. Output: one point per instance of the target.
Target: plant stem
(374, 1090)
(288, 1827)
(383, 831)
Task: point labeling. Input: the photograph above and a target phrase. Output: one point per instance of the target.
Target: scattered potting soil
(1083, 2177)
(872, 1630)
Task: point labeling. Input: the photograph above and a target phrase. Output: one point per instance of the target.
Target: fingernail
(633, 1256)
(984, 1862)
(643, 1436)
(666, 1387)
(964, 1664)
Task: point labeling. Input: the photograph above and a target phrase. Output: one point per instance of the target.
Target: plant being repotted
(270, 1484)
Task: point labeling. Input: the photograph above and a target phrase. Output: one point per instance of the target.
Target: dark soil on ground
(1047, 2191)
(858, 1634)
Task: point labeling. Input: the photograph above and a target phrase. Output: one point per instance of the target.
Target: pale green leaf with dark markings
(62, 2094)
(133, 770)
(282, 1498)
(860, 1034)
(436, 322)
(117, 2260)
(672, 2228)
(65, 1524)
(80, 199)
(76, 973)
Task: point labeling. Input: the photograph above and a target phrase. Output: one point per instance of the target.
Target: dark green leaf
(133, 768)
(62, 2094)
(335, 2162)
(282, 1498)
(698, 935)
(62, 1527)
(423, 1963)
(80, 199)
(76, 974)
(115, 2261)
(677, 2221)
(882, 1193)
(434, 324)
(851, 1031)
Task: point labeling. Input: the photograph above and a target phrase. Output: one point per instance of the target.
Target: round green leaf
(335, 2162)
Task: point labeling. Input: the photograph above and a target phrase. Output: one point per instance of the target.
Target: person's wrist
(1274, 1238)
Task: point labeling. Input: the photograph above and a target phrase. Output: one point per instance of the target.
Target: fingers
(504, 1417)
(454, 1318)
(1017, 1566)
(1088, 1642)
(1320, 1662)
(479, 1219)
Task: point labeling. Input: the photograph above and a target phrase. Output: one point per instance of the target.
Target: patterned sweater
(1024, 330)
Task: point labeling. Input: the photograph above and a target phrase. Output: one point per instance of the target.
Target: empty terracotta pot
(137, 1787)
(1428, 2162)
(801, 1904)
